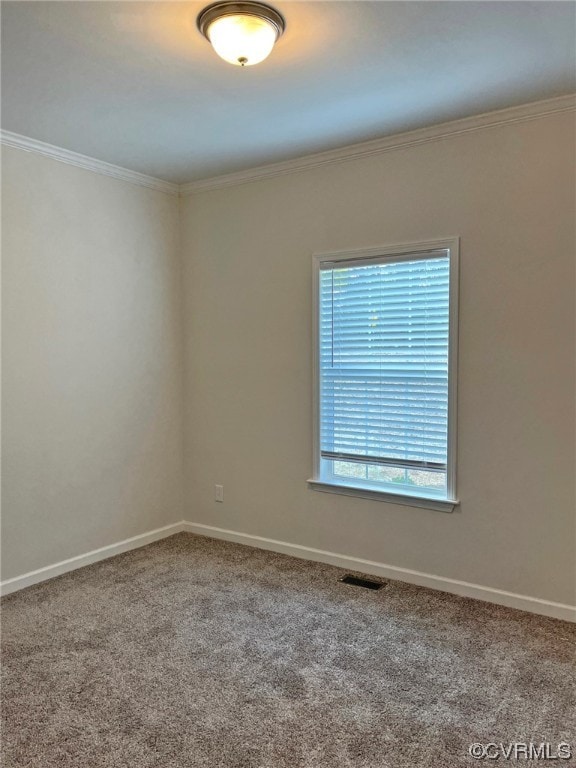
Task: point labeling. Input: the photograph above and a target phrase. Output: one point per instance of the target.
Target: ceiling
(135, 84)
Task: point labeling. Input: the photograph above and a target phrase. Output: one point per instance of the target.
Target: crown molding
(519, 114)
(10, 139)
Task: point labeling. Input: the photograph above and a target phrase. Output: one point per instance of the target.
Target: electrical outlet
(218, 493)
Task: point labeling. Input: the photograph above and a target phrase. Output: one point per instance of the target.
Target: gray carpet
(195, 653)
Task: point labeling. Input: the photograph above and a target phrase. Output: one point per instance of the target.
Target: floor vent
(356, 582)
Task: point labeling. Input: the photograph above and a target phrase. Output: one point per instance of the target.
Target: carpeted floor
(196, 653)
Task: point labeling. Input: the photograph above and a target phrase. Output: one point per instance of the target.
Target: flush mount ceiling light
(241, 33)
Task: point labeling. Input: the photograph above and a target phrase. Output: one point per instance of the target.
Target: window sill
(440, 505)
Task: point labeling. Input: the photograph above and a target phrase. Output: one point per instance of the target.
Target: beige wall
(92, 369)
(509, 193)
(93, 339)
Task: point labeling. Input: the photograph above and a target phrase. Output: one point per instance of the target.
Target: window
(385, 359)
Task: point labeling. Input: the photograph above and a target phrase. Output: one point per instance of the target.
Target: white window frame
(415, 499)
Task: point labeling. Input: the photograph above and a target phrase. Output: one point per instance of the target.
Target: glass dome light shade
(242, 40)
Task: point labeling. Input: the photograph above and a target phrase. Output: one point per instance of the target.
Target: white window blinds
(384, 347)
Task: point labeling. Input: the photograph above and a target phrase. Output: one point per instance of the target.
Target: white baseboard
(455, 587)
(50, 571)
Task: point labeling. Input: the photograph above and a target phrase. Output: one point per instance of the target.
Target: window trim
(430, 501)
